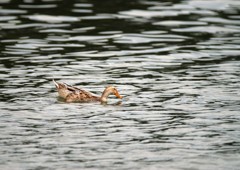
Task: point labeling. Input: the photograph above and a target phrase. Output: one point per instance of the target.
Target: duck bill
(118, 95)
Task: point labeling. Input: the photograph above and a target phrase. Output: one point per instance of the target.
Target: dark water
(175, 62)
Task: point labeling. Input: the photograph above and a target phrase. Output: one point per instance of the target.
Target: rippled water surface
(175, 62)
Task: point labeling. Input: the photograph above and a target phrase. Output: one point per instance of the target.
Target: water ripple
(52, 19)
(176, 64)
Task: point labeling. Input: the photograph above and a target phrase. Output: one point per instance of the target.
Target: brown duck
(73, 94)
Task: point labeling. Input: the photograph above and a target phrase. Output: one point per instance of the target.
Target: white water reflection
(209, 29)
(52, 19)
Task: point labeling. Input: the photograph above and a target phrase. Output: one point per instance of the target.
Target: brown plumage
(74, 94)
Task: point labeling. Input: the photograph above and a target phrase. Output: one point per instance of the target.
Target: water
(175, 62)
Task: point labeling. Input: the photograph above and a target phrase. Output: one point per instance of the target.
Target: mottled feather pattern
(82, 97)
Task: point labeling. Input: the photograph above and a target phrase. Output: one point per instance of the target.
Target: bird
(74, 94)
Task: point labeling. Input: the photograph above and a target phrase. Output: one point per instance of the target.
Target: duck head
(109, 90)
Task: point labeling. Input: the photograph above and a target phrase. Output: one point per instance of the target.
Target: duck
(74, 94)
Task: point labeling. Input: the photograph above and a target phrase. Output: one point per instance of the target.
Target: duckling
(74, 94)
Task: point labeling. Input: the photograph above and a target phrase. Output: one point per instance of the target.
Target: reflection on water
(175, 63)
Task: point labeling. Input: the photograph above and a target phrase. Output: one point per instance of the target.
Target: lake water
(177, 64)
